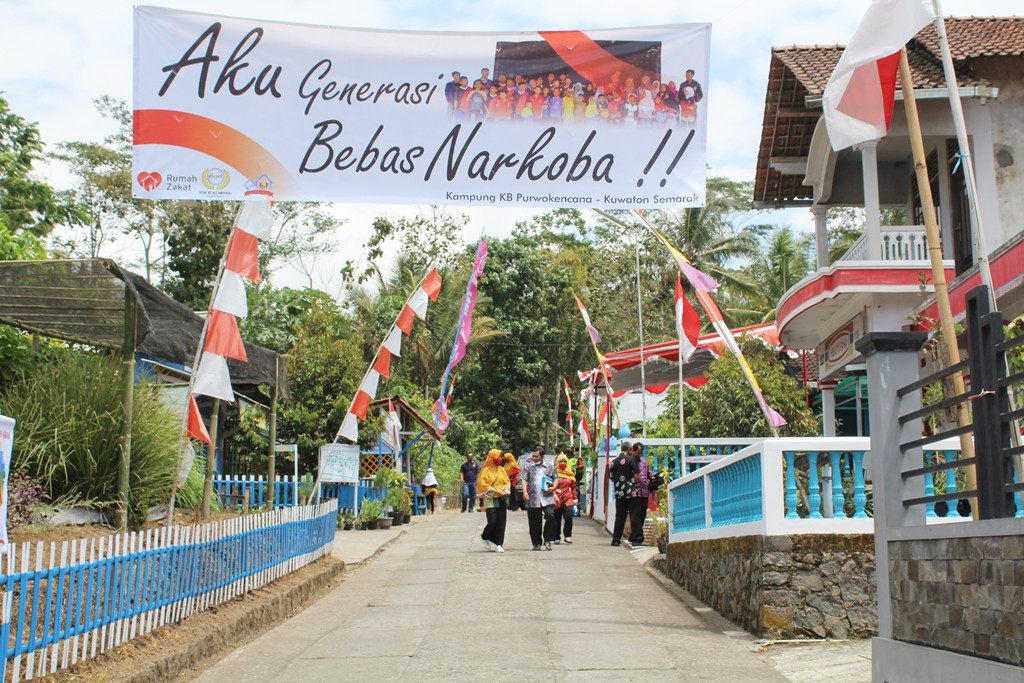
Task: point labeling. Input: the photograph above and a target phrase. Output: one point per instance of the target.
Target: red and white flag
(584, 428)
(687, 322)
(858, 99)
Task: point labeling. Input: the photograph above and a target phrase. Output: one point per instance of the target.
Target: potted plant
(393, 500)
(346, 520)
(370, 514)
(406, 505)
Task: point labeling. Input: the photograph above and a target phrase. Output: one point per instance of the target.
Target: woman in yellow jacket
(493, 486)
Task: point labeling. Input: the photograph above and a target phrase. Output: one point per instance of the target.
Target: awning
(83, 300)
(661, 362)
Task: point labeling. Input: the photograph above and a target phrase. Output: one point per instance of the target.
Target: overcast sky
(60, 55)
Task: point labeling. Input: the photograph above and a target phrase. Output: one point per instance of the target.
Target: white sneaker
(485, 543)
(569, 540)
(498, 549)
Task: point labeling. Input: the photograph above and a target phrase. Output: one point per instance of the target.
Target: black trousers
(637, 516)
(496, 518)
(430, 502)
(546, 515)
(621, 514)
(563, 522)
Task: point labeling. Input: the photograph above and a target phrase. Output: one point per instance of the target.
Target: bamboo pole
(128, 402)
(272, 436)
(931, 227)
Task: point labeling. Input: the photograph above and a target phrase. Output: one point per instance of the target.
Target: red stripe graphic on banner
(589, 59)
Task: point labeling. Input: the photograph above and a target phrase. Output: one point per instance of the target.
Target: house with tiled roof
(882, 283)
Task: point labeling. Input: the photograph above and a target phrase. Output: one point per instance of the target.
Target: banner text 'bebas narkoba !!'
(226, 107)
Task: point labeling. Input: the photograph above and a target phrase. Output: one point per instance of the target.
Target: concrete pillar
(872, 207)
(820, 235)
(892, 364)
(828, 408)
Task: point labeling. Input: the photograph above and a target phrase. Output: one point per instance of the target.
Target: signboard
(6, 444)
(837, 350)
(227, 107)
(339, 463)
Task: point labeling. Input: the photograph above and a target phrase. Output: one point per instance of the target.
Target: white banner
(228, 107)
(6, 444)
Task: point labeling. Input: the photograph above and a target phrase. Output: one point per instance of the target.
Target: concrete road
(436, 606)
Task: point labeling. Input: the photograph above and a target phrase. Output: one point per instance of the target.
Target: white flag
(231, 295)
(256, 217)
(213, 378)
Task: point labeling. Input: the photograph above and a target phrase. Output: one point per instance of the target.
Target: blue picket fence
(69, 602)
(347, 495)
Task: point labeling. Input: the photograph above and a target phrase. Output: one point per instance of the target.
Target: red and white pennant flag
(687, 322)
(858, 99)
(415, 307)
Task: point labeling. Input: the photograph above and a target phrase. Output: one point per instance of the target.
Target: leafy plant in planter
(406, 504)
(346, 520)
(370, 513)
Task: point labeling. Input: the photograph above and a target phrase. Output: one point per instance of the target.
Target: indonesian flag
(687, 322)
(858, 99)
(584, 428)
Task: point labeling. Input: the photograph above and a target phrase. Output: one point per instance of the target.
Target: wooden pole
(128, 402)
(211, 459)
(272, 428)
(931, 227)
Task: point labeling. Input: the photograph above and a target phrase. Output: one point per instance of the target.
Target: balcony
(898, 242)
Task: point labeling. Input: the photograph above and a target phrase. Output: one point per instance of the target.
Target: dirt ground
(180, 652)
(73, 532)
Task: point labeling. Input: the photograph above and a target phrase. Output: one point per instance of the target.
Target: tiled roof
(797, 76)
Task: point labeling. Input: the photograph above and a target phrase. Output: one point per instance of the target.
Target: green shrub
(68, 434)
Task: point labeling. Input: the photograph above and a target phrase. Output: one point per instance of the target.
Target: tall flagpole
(682, 446)
(935, 255)
(957, 109)
(640, 322)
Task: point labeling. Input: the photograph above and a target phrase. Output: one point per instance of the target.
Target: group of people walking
(548, 493)
(630, 477)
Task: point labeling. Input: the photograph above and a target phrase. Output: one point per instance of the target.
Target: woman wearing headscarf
(493, 486)
(566, 497)
(512, 470)
(430, 489)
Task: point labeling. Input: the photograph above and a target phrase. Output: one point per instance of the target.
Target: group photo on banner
(225, 107)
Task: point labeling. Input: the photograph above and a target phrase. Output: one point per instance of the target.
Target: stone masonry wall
(960, 594)
(776, 587)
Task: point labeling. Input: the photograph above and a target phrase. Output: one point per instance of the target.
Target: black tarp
(82, 300)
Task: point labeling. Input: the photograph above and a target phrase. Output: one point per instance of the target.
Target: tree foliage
(726, 407)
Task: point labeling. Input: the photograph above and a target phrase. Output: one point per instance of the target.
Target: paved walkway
(435, 606)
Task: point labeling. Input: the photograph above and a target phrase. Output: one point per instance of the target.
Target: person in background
(467, 475)
(537, 482)
(623, 473)
(430, 489)
(494, 488)
(638, 501)
(566, 498)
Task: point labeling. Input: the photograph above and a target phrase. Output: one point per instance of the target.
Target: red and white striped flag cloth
(594, 336)
(687, 322)
(858, 99)
(584, 428)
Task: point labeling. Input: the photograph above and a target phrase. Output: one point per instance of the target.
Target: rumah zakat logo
(149, 180)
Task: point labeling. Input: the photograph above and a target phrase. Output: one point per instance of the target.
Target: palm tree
(787, 260)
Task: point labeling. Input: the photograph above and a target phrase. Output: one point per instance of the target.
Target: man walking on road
(467, 475)
(537, 483)
(623, 473)
(638, 502)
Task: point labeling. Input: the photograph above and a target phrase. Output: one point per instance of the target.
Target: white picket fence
(67, 602)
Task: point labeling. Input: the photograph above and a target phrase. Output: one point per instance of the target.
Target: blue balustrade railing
(70, 602)
(812, 485)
